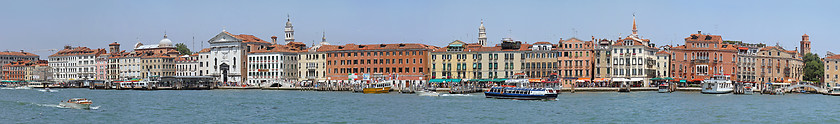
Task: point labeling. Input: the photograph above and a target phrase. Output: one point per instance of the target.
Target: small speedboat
(835, 91)
(76, 103)
(427, 93)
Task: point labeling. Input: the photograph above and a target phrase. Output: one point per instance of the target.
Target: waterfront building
(541, 60)
(663, 60)
(204, 67)
(156, 60)
(187, 65)
(313, 63)
(26, 70)
(832, 70)
(603, 55)
(113, 58)
(576, 61)
(702, 56)
(272, 64)
(778, 65)
(747, 56)
(467, 60)
(101, 67)
(9, 56)
(227, 56)
(634, 61)
(404, 61)
(74, 63)
(128, 66)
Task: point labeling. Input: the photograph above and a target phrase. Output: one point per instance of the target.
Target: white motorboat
(717, 84)
(427, 93)
(835, 91)
(76, 103)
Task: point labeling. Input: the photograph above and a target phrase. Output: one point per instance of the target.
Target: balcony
(700, 61)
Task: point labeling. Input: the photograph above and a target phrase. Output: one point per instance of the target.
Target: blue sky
(34, 25)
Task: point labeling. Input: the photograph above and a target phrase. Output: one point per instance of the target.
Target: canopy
(444, 80)
(668, 78)
(656, 79)
(625, 79)
(499, 80)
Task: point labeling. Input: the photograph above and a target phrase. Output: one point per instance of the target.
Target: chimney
(698, 32)
(273, 39)
(67, 47)
(21, 51)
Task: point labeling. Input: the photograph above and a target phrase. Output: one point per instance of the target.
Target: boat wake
(64, 107)
(455, 95)
(43, 90)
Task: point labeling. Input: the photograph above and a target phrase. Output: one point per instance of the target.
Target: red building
(702, 56)
(404, 61)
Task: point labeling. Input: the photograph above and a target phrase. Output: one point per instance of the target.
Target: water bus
(717, 84)
(518, 88)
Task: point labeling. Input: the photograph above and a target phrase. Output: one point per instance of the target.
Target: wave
(455, 95)
(43, 90)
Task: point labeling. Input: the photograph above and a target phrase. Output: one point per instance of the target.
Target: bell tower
(290, 31)
(482, 36)
(805, 44)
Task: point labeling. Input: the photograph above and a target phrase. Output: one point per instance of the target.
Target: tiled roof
(275, 48)
(17, 54)
(114, 44)
(79, 51)
(542, 43)
(663, 52)
(374, 47)
(204, 50)
(250, 39)
(702, 37)
(833, 57)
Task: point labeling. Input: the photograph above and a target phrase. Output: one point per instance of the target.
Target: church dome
(165, 42)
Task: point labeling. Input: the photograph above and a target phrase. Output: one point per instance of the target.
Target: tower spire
(634, 24)
(482, 35)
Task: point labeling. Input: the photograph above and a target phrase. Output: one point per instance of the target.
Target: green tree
(813, 70)
(183, 49)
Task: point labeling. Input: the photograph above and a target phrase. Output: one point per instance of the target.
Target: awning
(583, 80)
(656, 79)
(499, 80)
(696, 80)
(444, 80)
(682, 81)
(625, 79)
(534, 80)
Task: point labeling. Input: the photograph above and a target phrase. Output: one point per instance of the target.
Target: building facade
(541, 60)
(576, 61)
(702, 56)
(74, 63)
(404, 61)
(187, 65)
(227, 57)
(832, 70)
(273, 64)
(775, 64)
(8, 56)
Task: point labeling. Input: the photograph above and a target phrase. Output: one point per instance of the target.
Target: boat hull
(519, 96)
(377, 90)
(716, 91)
(75, 105)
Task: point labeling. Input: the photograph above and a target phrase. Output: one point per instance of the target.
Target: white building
(74, 63)
(187, 65)
(313, 63)
(272, 64)
(227, 56)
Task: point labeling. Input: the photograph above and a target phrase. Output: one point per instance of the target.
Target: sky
(40, 25)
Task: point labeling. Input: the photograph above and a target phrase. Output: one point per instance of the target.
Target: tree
(813, 70)
(183, 49)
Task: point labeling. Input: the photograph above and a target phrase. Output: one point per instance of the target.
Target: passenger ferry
(379, 87)
(518, 89)
(717, 84)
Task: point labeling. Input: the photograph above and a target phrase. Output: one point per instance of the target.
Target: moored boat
(717, 84)
(379, 87)
(76, 103)
(664, 88)
(835, 91)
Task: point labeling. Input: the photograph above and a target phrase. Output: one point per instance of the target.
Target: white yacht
(717, 84)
